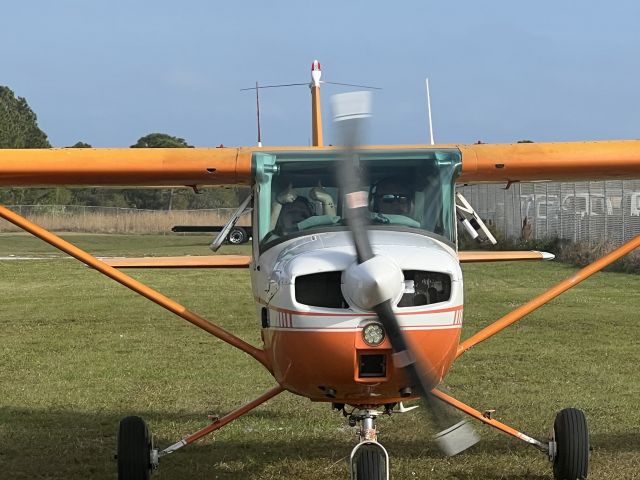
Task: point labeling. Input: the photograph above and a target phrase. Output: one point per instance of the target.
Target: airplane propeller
(375, 281)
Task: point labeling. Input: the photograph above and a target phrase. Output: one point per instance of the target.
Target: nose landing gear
(369, 460)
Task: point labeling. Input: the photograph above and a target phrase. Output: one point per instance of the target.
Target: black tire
(134, 450)
(237, 235)
(370, 464)
(572, 444)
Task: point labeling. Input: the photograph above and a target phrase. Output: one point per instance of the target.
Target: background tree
(160, 140)
(19, 129)
(18, 123)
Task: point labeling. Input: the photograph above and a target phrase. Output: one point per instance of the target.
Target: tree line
(19, 129)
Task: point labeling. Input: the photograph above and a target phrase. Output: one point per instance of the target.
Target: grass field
(78, 352)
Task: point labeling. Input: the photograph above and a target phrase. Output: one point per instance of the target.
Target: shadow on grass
(65, 444)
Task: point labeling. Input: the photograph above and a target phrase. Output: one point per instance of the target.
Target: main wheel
(237, 236)
(134, 450)
(572, 445)
(370, 464)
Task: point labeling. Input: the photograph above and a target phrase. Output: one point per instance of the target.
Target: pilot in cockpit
(391, 195)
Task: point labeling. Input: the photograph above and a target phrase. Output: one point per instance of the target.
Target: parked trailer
(237, 235)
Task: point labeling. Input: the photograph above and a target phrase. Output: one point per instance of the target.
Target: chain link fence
(87, 219)
(583, 212)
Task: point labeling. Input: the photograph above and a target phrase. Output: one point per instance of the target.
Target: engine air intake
(425, 288)
(320, 290)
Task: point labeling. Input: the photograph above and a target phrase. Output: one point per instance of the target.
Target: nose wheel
(369, 459)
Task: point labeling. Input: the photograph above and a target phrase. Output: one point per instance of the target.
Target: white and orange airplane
(354, 267)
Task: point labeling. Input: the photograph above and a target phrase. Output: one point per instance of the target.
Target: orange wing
(550, 161)
(125, 166)
(213, 261)
(227, 166)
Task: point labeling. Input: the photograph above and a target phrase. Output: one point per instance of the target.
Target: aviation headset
(374, 200)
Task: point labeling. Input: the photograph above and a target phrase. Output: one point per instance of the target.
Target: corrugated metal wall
(590, 212)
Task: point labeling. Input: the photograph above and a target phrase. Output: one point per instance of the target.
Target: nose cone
(370, 283)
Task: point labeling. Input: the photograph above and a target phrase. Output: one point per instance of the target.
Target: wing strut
(487, 420)
(515, 315)
(221, 422)
(134, 285)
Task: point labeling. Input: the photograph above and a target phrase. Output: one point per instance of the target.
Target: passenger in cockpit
(325, 200)
(288, 210)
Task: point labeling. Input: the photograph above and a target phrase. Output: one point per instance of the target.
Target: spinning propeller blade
(379, 279)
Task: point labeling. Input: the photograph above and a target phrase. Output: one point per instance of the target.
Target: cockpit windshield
(409, 190)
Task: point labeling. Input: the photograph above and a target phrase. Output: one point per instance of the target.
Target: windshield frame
(445, 164)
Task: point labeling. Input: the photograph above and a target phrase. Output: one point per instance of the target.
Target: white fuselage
(305, 342)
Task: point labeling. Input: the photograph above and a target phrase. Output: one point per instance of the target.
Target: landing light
(373, 334)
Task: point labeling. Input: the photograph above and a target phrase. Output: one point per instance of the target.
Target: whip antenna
(258, 112)
(426, 81)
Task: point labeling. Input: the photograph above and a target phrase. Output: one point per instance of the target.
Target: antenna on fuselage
(316, 112)
(426, 82)
(258, 113)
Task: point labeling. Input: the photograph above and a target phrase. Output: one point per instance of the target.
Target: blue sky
(108, 72)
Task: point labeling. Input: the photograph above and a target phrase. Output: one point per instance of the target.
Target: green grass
(78, 352)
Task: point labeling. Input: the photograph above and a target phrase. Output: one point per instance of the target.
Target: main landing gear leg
(137, 459)
(567, 449)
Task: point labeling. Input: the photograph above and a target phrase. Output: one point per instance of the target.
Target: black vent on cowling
(428, 288)
(372, 365)
(320, 290)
